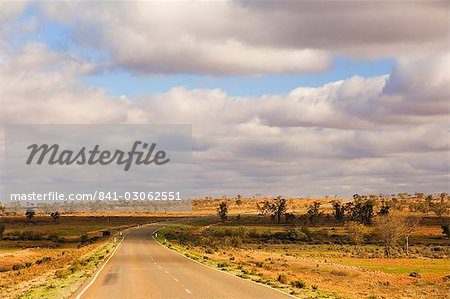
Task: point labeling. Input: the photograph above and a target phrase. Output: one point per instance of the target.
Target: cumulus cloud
(421, 85)
(251, 38)
(346, 136)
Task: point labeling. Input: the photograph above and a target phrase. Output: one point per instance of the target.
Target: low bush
(299, 284)
(57, 239)
(62, 273)
(28, 236)
(282, 278)
(43, 260)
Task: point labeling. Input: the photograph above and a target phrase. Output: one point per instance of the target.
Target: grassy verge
(65, 281)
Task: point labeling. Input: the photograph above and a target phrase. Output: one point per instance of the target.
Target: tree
(411, 224)
(366, 212)
(429, 201)
(442, 207)
(419, 194)
(30, 214)
(2, 230)
(389, 229)
(446, 231)
(384, 209)
(361, 210)
(222, 211)
(55, 216)
(280, 208)
(355, 232)
(338, 211)
(313, 212)
(2, 209)
(276, 209)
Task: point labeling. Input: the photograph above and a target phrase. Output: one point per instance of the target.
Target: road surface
(142, 268)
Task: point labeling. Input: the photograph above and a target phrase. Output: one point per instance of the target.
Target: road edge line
(106, 262)
(215, 269)
(98, 271)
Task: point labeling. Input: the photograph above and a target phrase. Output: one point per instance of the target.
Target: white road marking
(167, 272)
(187, 291)
(103, 266)
(176, 280)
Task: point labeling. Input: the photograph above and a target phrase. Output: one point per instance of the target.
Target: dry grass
(326, 270)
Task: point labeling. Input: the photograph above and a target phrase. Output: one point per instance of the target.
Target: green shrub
(223, 264)
(84, 239)
(17, 267)
(62, 273)
(299, 284)
(43, 260)
(56, 239)
(28, 235)
(282, 278)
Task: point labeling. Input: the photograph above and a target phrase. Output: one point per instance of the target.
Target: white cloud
(345, 136)
(252, 38)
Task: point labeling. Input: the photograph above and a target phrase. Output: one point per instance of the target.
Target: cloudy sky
(307, 98)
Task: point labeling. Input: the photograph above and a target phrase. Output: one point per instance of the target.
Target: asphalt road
(142, 268)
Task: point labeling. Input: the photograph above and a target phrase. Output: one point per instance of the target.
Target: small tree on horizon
(2, 230)
(30, 214)
(446, 231)
(55, 216)
(275, 209)
(338, 211)
(222, 211)
(313, 212)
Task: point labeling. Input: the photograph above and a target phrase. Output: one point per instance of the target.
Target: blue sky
(120, 83)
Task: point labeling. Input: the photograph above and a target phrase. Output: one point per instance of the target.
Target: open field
(313, 270)
(315, 255)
